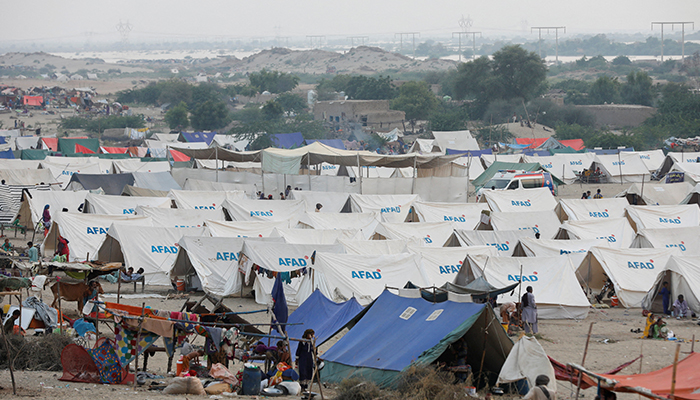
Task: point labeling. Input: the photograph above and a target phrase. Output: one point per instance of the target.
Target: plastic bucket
(614, 302)
(180, 285)
(251, 381)
(178, 368)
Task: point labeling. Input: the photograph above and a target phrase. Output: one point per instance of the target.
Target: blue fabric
(279, 308)
(2, 140)
(383, 340)
(322, 315)
(335, 143)
(287, 140)
(7, 154)
(608, 151)
(541, 153)
(191, 137)
(82, 327)
(473, 153)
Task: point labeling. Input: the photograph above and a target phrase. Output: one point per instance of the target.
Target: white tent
(693, 196)
(503, 241)
(462, 216)
(264, 210)
(472, 164)
(292, 259)
(488, 159)
(686, 239)
(432, 234)
(200, 200)
(455, 140)
(527, 360)
(656, 193)
(136, 165)
(343, 276)
(65, 167)
(683, 275)
(152, 248)
(441, 265)
(365, 222)
(531, 247)
(591, 209)
(615, 231)
(624, 167)
(84, 232)
(557, 167)
(28, 177)
(179, 218)
(332, 202)
(121, 205)
(691, 172)
(539, 199)
(315, 236)
(544, 222)
(653, 159)
(633, 272)
(244, 228)
(557, 292)
(32, 208)
(664, 217)
(378, 247)
(14, 163)
(192, 184)
(371, 172)
(424, 146)
(393, 208)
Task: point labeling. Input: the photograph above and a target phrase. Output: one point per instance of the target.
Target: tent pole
(138, 340)
(359, 170)
(216, 155)
(308, 168)
(585, 352)
(469, 162)
(619, 164)
(643, 175)
(415, 172)
(675, 367)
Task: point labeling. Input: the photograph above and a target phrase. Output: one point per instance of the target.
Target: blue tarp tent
(7, 154)
(335, 143)
(397, 332)
(191, 137)
(287, 140)
(324, 316)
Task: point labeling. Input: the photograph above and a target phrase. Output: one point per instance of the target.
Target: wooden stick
(10, 361)
(170, 357)
(138, 340)
(583, 362)
(675, 367)
(60, 311)
(119, 284)
(692, 344)
(316, 373)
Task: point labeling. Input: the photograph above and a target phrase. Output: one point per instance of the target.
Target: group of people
(587, 195)
(679, 309)
(528, 312)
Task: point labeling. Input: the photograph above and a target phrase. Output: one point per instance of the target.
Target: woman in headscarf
(46, 219)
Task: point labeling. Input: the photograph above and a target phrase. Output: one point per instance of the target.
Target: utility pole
(319, 39)
(548, 28)
(280, 39)
(460, 34)
(124, 29)
(412, 34)
(361, 39)
(682, 24)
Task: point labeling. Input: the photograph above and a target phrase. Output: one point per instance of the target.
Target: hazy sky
(51, 20)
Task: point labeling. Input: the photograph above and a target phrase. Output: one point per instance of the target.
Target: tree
(367, 88)
(519, 72)
(176, 117)
(273, 81)
(416, 100)
(272, 110)
(605, 90)
(209, 116)
(291, 102)
(621, 60)
(638, 89)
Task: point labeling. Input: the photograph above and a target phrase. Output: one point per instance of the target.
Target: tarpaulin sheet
(179, 218)
(32, 207)
(592, 209)
(431, 234)
(462, 216)
(67, 145)
(287, 140)
(316, 236)
(82, 149)
(34, 154)
(332, 202)
(527, 360)
(538, 199)
(155, 181)
(458, 140)
(136, 165)
(201, 200)
(25, 142)
(503, 241)
(50, 143)
(84, 232)
(264, 210)
(340, 276)
(244, 228)
(19, 164)
(545, 223)
(191, 137)
(121, 205)
(393, 208)
(111, 184)
(664, 217)
(494, 167)
(27, 176)
(114, 150)
(365, 222)
(489, 159)
(63, 168)
(557, 291)
(32, 100)
(325, 316)
(617, 232)
(686, 239)
(441, 265)
(7, 154)
(379, 247)
(152, 248)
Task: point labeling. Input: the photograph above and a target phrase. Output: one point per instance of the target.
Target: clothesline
(232, 324)
(235, 313)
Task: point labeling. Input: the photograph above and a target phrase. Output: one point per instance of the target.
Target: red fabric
(115, 150)
(576, 144)
(32, 100)
(50, 143)
(79, 148)
(565, 373)
(78, 365)
(659, 382)
(535, 142)
(178, 156)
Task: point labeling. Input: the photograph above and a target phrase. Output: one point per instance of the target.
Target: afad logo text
(525, 278)
(367, 274)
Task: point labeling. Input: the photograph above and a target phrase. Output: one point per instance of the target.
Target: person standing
(529, 312)
(666, 297)
(32, 252)
(46, 219)
(305, 358)
(598, 195)
(541, 391)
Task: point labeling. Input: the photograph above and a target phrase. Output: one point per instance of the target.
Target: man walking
(529, 312)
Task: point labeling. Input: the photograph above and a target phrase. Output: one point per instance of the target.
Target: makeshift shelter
(378, 247)
(262, 261)
(683, 275)
(685, 239)
(663, 217)
(617, 232)
(503, 241)
(111, 184)
(325, 316)
(26, 143)
(365, 222)
(194, 137)
(19, 164)
(152, 248)
(136, 191)
(392, 208)
(553, 279)
(591, 209)
(624, 167)
(332, 202)
(651, 194)
(10, 199)
(633, 272)
(120, 205)
(198, 200)
(457, 140)
(531, 247)
(441, 265)
(471, 167)
(315, 236)
(287, 140)
(179, 218)
(335, 143)
(527, 360)
(33, 202)
(545, 223)
(191, 184)
(67, 146)
(461, 216)
(423, 331)
(490, 159)
(27, 177)
(245, 228)
(538, 199)
(136, 165)
(161, 181)
(259, 210)
(84, 232)
(432, 234)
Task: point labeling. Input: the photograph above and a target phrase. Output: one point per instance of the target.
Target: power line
(548, 28)
(413, 35)
(360, 38)
(460, 34)
(682, 24)
(319, 40)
